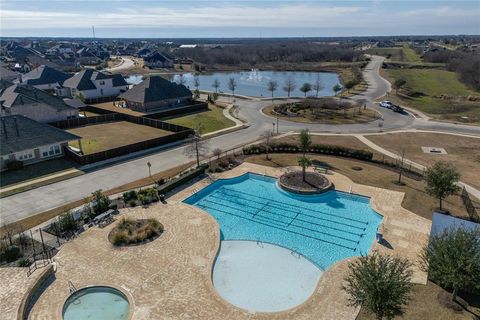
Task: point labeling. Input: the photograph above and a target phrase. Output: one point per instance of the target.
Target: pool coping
(324, 272)
(118, 288)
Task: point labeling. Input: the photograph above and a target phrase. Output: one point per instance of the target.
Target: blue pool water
(99, 302)
(325, 228)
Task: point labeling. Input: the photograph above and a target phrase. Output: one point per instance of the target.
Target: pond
(255, 83)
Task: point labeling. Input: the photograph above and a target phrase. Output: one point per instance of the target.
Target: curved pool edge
(311, 299)
(122, 290)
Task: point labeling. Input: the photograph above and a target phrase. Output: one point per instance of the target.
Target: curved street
(23, 205)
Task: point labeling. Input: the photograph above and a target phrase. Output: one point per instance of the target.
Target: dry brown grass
(416, 199)
(104, 136)
(110, 107)
(132, 232)
(464, 152)
(40, 218)
(344, 141)
(425, 305)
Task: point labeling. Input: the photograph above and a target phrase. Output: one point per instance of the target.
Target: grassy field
(428, 85)
(104, 136)
(401, 53)
(211, 120)
(464, 152)
(416, 199)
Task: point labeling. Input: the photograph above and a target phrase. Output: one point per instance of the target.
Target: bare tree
(216, 85)
(272, 86)
(217, 152)
(267, 136)
(196, 81)
(198, 147)
(181, 79)
(232, 84)
(289, 85)
(317, 86)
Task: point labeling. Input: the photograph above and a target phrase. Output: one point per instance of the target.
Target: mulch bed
(314, 182)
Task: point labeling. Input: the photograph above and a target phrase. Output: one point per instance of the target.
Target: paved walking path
(25, 204)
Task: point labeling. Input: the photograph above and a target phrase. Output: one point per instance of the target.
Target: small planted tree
(100, 202)
(232, 84)
(350, 84)
(217, 152)
(380, 284)
(306, 88)
(267, 136)
(337, 88)
(317, 86)
(441, 180)
(452, 259)
(198, 147)
(216, 85)
(196, 82)
(289, 85)
(304, 162)
(272, 86)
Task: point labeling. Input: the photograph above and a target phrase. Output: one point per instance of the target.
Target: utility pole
(277, 125)
(93, 31)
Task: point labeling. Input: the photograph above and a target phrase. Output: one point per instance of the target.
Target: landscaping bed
(130, 232)
(313, 183)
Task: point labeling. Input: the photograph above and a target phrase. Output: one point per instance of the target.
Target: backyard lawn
(211, 120)
(424, 88)
(464, 152)
(104, 136)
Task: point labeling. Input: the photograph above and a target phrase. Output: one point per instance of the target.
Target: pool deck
(170, 278)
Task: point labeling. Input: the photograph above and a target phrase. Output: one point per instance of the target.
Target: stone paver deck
(170, 278)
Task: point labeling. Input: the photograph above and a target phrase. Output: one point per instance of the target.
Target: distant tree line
(465, 63)
(256, 53)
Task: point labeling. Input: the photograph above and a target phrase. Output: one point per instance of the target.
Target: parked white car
(386, 104)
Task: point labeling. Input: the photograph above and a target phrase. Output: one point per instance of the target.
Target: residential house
(33, 103)
(94, 85)
(45, 78)
(158, 60)
(23, 139)
(156, 93)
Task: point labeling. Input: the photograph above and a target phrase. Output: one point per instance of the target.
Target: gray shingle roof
(24, 94)
(83, 80)
(45, 75)
(155, 88)
(31, 134)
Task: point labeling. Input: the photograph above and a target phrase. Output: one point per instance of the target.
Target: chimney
(4, 127)
(16, 126)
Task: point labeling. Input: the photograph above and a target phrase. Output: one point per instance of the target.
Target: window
(50, 151)
(24, 155)
(102, 83)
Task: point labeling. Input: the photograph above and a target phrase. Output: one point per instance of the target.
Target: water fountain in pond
(254, 75)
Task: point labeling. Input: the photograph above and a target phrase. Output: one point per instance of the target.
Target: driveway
(23, 205)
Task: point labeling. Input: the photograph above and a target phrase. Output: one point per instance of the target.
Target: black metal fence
(197, 107)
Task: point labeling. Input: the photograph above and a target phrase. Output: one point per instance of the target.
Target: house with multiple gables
(36, 104)
(158, 60)
(156, 93)
(23, 139)
(44, 78)
(94, 85)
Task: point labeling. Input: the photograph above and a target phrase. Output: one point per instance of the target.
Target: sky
(218, 19)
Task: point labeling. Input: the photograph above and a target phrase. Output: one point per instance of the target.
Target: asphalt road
(35, 201)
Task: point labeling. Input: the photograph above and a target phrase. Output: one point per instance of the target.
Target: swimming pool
(324, 228)
(98, 302)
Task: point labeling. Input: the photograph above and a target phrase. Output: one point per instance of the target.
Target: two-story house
(36, 104)
(92, 85)
(45, 78)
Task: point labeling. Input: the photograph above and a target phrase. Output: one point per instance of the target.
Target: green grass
(403, 54)
(211, 120)
(429, 85)
(432, 82)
